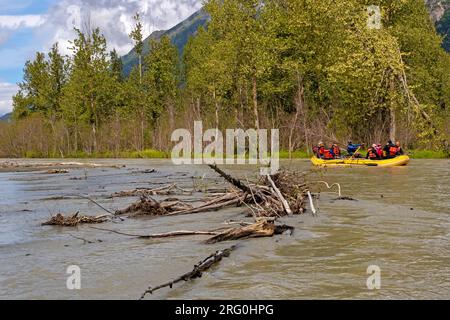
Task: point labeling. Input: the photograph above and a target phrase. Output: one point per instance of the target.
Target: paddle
(353, 156)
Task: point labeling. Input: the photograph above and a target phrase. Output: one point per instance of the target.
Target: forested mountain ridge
(440, 13)
(178, 34)
(437, 8)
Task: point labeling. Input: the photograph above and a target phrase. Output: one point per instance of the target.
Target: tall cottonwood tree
(161, 79)
(88, 95)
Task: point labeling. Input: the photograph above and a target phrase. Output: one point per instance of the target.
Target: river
(400, 223)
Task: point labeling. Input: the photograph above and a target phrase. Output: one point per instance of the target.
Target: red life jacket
(380, 152)
(337, 151)
(327, 154)
(393, 151)
(372, 153)
(321, 151)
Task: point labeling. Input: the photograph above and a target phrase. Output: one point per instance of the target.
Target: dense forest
(314, 69)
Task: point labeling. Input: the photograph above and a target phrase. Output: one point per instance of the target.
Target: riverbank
(157, 154)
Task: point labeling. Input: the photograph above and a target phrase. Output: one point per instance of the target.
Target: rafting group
(377, 155)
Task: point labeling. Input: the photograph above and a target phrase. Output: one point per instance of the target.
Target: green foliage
(443, 27)
(161, 76)
(299, 154)
(429, 154)
(145, 154)
(136, 35)
(312, 68)
(89, 93)
(116, 66)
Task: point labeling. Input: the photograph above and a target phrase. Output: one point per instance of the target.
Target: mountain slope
(437, 8)
(440, 13)
(6, 117)
(179, 35)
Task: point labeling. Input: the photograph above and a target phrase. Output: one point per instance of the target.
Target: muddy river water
(400, 223)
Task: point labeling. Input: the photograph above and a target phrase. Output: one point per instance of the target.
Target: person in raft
(391, 150)
(336, 151)
(380, 151)
(352, 149)
(318, 150)
(322, 153)
(399, 149)
(372, 153)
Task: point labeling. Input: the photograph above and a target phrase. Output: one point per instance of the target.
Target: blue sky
(28, 26)
(16, 44)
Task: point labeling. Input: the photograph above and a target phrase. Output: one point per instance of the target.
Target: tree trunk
(239, 109)
(392, 124)
(140, 69)
(299, 106)
(142, 145)
(255, 103)
(171, 117)
(199, 111)
(216, 104)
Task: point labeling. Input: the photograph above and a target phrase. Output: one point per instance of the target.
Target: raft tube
(394, 162)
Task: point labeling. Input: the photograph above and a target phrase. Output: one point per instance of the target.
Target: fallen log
(57, 171)
(166, 190)
(286, 206)
(237, 183)
(263, 228)
(214, 205)
(181, 233)
(196, 272)
(71, 221)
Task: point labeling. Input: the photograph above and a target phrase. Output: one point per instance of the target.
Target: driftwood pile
(147, 206)
(74, 220)
(274, 196)
(283, 194)
(277, 196)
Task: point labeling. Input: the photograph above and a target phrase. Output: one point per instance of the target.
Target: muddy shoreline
(40, 165)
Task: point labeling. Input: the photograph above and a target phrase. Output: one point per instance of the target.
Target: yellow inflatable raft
(395, 162)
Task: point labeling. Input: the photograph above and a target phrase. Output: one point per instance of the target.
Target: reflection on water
(401, 222)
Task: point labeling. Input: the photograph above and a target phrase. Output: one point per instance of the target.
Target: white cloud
(7, 90)
(113, 17)
(21, 21)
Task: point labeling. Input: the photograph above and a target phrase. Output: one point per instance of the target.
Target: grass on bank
(157, 154)
(144, 154)
(428, 154)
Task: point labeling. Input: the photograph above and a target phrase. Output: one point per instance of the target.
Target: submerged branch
(196, 272)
